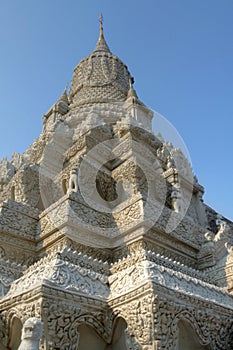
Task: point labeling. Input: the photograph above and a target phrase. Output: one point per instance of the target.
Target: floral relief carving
(63, 319)
(210, 328)
(138, 315)
(65, 275)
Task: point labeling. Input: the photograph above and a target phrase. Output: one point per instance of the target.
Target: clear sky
(180, 53)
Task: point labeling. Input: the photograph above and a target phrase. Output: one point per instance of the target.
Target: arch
(15, 333)
(92, 322)
(189, 333)
(89, 339)
(119, 335)
(85, 332)
(188, 338)
(131, 331)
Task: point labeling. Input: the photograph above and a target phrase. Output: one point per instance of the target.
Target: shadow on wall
(15, 334)
(90, 340)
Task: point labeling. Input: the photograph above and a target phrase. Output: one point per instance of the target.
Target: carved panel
(139, 317)
(62, 320)
(211, 328)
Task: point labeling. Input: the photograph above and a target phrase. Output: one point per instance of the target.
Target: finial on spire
(101, 43)
(101, 27)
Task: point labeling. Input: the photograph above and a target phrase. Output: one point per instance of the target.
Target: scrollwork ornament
(212, 329)
(63, 321)
(138, 315)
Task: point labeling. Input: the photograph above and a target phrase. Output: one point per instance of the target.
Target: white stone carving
(139, 243)
(73, 181)
(31, 334)
(177, 200)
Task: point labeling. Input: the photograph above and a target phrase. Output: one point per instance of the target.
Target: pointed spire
(64, 98)
(62, 105)
(101, 37)
(101, 44)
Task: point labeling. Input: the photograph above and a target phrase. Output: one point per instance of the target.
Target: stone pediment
(59, 271)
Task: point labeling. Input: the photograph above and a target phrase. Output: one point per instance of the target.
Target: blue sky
(180, 53)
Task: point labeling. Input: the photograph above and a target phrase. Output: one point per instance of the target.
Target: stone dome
(100, 77)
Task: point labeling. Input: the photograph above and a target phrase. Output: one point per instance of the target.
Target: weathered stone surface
(104, 234)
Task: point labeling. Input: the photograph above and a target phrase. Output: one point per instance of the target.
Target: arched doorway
(119, 335)
(15, 334)
(188, 339)
(89, 339)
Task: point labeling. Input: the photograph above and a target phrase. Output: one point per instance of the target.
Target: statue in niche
(73, 181)
(177, 200)
(31, 334)
(170, 163)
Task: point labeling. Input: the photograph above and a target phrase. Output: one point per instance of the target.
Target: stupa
(105, 239)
